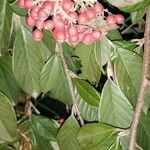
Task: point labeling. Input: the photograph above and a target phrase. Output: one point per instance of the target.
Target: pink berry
(29, 4)
(59, 23)
(111, 20)
(30, 21)
(119, 18)
(87, 39)
(96, 34)
(83, 18)
(67, 5)
(48, 6)
(98, 8)
(73, 15)
(49, 25)
(42, 14)
(34, 12)
(21, 3)
(91, 14)
(37, 34)
(81, 36)
(60, 35)
(72, 30)
(74, 38)
(39, 24)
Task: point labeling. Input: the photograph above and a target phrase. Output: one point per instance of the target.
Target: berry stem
(143, 86)
(69, 80)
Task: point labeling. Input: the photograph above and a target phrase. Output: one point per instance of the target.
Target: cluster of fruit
(66, 19)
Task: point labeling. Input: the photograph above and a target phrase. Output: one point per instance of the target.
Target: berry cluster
(66, 19)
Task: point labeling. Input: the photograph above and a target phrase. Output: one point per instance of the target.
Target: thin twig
(143, 85)
(69, 80)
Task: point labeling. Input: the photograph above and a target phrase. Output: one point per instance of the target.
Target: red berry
(42, 14)
(29, 3)
(34, 12)
(83, 18)
(81, 36)
(30, 21)
(96, 34)
(73, 15)
(67, 5)
(111, 20)
(21, 3)
(49, 25)
(119, 18)
(72, 30)
(48, 6)
(37, 34)
(87, 39)
(98, 8)
(60, 35)
(91, 14)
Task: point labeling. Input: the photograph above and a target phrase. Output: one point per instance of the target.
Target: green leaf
(67, 135)
(96, 136)
(8, 121)
(128, 67)
(114, 35)
(43, 127)
(29, 57)
(144, 132)
(53, 79)
(87, 92)
(90, 68)
(8, 84)
(103, 51)
(43, 132)
(20, 11)
(137, 16)
(49, 40)
(115, 108)
(5, 25)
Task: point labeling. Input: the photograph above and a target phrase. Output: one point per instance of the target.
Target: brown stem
(143, 85)
(69, 80)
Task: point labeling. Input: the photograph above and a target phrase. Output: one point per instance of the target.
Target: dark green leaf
(87, 92)
(67, 135)
(115, 108)
(96, 136)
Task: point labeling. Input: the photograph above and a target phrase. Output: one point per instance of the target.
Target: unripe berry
(96, 34)
(48, 6)
(42, 14)
(67, 5)
(30, 21)
(49, 25)
(74, 39)
(37, 34)
(60, 35)
(72, 30)
(111, 20)
(119, 18)
(83, 18)
(39, 24)
(87, 39)
(91, 14)
(98, 8)
(21, 3)
(29, 4)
